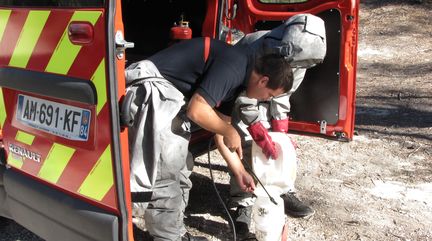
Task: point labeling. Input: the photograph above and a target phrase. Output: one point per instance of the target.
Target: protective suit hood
(301, 40)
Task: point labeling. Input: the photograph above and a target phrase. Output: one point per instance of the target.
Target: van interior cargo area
(147, 23)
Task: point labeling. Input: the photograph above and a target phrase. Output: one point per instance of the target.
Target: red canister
(181, 31)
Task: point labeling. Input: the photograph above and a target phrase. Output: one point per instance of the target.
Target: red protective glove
(262, 139)
(280, 125)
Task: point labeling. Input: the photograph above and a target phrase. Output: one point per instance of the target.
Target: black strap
(140, 197)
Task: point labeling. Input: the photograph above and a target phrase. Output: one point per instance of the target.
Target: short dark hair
(277, 69)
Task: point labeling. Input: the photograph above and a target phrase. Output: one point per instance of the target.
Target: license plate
(62, 120)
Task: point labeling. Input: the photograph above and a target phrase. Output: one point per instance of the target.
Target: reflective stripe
(27, 40)
(57, 159)
(12, 161)
(101, 179)
(24, 138)
(99, 81)
(4, 17)
(2, 109)
(66, 52)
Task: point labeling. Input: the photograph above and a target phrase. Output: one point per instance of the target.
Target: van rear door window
(52, 3)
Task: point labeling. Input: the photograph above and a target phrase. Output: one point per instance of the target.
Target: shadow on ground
(203, 201)
(381, 3)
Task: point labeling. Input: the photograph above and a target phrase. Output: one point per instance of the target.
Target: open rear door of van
(324, 103)
(60, 79)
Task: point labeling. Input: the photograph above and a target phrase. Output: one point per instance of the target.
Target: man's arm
(200, 112)
(233, 161)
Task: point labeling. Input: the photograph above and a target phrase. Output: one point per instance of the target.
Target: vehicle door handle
(122, 44)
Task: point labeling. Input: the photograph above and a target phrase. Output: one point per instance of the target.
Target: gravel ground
(11, 231)
(378, 186)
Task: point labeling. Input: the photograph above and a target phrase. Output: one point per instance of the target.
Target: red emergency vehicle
(64, 165)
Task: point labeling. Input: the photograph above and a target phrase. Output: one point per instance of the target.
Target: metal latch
(323, 127)
(122, 44)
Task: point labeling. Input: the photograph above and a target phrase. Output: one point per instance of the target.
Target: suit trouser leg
(165, 212)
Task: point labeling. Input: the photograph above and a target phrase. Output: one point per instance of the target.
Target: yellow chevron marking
(65, 53)
(99, 81)
(4, 17)
(24, 138)
(55, 162)
(101, 178)
(16, 162)
(2, 109)
(28, 38)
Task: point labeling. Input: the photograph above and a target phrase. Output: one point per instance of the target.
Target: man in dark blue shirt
(193, 80)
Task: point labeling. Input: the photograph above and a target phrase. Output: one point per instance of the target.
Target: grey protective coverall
(302, 41)
(160, 124)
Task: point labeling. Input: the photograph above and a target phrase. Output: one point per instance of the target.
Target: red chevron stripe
(11, 35)
(9, 99)
(83, 161)
(54, 28)
(110, 198)
(90, 56)
(8, 131)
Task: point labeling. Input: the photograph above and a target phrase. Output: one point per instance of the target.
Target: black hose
(218, 195)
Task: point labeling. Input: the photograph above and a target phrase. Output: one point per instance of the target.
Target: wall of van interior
(147, 23)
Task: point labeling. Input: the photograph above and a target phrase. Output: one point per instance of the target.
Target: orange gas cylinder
(181, 31)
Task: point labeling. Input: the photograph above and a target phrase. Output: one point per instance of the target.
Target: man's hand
(261, 137)
(245, 181)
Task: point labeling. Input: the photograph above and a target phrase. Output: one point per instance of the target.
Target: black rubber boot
(294, 207)
(242, 219)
